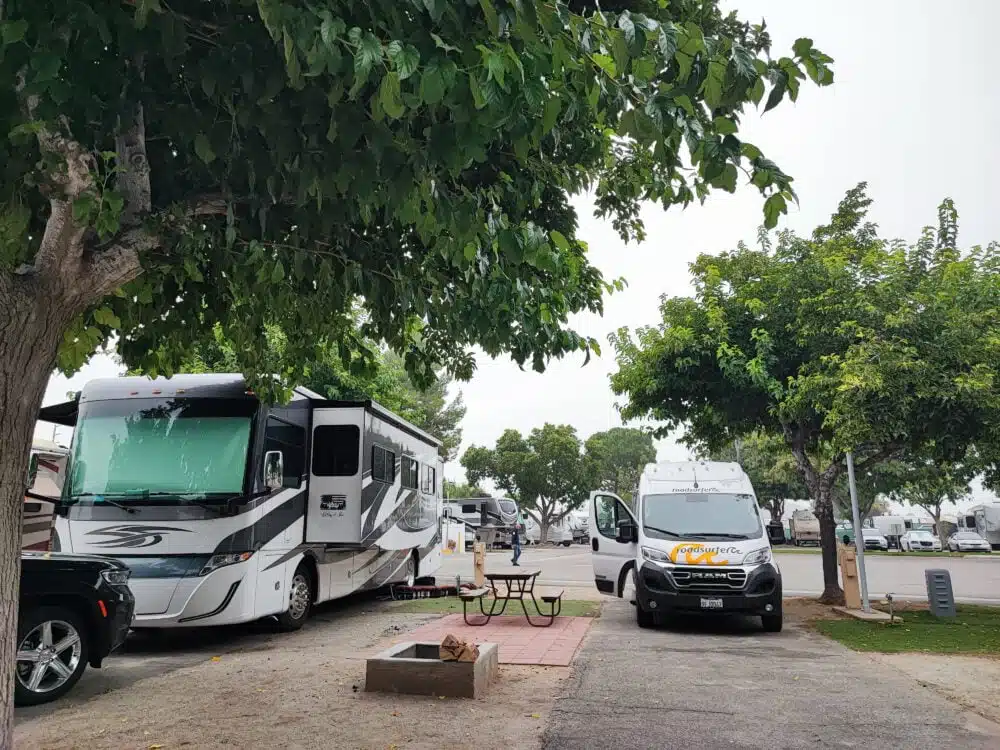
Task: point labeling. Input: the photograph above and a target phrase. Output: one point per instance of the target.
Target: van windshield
(705, 516)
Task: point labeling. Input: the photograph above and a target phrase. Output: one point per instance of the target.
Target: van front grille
(707, 578)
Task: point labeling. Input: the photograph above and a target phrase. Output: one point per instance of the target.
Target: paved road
(974, 579)
(725, 684)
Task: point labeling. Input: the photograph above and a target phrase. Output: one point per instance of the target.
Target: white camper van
(228, 509)
(695, 543)
(984, 519)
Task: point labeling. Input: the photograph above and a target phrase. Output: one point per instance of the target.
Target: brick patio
(518, 642)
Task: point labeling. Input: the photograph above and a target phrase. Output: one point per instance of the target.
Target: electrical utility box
(939, 594)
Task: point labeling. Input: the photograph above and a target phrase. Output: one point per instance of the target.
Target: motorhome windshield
(160, 450)
(705, 516)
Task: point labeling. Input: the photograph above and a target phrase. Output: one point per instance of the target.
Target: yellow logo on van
(696, 553)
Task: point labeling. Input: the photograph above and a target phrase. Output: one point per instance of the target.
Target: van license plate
(711, 603)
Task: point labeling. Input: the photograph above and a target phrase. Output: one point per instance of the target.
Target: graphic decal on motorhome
(696, 553)
(133, 536)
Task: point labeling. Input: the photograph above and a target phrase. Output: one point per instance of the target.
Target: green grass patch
(976, 630)
(447, 605)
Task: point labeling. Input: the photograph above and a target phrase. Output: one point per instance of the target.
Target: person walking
(515, 544)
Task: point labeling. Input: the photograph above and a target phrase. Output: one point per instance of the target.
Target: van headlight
(655, 555)
(758, 556)
(220, 561)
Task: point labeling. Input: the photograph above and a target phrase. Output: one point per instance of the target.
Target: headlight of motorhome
(220, 561)
(758, 556)
(116, 576)
(655, 555)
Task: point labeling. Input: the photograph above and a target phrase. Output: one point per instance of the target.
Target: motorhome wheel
(300, 598)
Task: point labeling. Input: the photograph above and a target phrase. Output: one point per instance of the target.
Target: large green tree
(840, 341)
(618, 455)
(166, 167)
(547, 473)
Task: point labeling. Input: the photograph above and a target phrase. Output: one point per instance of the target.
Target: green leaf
(627, 26)
(368, 53)
(470, 252)
(331, 29)
(491, 16)
(773, 208)
(477, 91)
(12, 32)
(442, 44)
(750, 151)
(713, 84)
(559, 240)
(431, 85)
(725, 126)
(684, 63)
(192, 270)
(278, 274)
(666, 41)
(777, 91)
(802, 47)
(757, 91)
(495, 67)
(545, 313)
(203, 148)
(606, 64)
(404, 58)
(142, 10)
(685, 101)
(105, 316)
(553, 106)
(389, 98)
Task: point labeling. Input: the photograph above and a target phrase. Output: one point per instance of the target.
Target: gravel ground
(300, 690)
(972, 682)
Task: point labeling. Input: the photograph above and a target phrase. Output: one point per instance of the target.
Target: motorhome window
(701, 515)
(163, 451)
(430, 479)
(383, 465)
(408, 472)
(336, 450)
(508, 506)
(290, 439)
(470, 508)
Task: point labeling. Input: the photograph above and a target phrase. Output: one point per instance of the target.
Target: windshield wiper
(647, 527)
(702, 534)
(104, 499)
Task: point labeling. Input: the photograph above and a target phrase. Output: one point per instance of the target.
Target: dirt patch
(970, 681)
(807, 610)
(306, 691)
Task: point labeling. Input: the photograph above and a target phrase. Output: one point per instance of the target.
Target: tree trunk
(832, 592)
(543, 532)
(31, 328)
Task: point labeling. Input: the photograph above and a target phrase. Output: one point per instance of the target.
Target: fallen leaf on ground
(216, 658)
(536, 716)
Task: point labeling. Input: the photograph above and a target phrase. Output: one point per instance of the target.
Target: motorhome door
(335, 476)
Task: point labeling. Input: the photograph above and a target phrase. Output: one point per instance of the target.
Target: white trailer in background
(984, 519)
(228, 509)
(559, 532)
(46, 475)
(803, 527)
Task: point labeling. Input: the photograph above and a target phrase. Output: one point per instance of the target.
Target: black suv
(74, 611)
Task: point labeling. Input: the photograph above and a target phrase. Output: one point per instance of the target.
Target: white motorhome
(984, 519)
(47, 472)
(227, 509)
(499, 513)
(560, 532)
(695, 543)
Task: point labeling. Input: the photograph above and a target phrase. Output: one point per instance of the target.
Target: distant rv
(984, 519)
(47, 472)
(498, 513)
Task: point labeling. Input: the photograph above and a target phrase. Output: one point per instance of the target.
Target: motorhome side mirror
(32, 471)
(627, 532)
(274, 470)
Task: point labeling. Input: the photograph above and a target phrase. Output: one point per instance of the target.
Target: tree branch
(118, 264)
(133, 177)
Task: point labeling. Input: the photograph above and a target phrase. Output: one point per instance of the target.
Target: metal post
(859, 540)
(738, 451)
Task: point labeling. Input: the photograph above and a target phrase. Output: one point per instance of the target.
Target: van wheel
(566, 544)
(300, 598)
(771, 623)
(52, 651)
(643, 618)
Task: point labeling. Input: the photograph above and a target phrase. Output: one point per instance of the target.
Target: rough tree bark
(39, 302)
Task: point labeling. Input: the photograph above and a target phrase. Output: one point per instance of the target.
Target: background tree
(618, 456)
(930, 485)
(547, 473)
(875, 485)
(172, 167)
(457, 490)
(771, 468)
(838, 342)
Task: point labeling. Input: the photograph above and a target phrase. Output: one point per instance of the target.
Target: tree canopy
(547, 472)
(619, 455)
(930, 485)
(841, 341)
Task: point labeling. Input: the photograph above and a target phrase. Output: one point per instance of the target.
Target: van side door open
(611, 546)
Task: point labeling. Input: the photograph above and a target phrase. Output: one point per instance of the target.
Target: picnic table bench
(517, 586)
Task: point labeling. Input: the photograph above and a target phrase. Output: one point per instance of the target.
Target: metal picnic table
(517, 585)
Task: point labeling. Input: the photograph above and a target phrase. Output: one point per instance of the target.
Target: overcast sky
(913, 112)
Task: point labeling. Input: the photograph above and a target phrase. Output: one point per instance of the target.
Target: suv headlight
(758, 556)
(116, 576)
(655, 555)
(220, 561)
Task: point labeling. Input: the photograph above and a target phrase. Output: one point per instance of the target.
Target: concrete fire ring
(417, 669)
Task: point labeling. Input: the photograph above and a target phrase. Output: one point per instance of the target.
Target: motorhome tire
(643, 618)
(411, 569)
(566, 544)
(301, 595)
(771, 623)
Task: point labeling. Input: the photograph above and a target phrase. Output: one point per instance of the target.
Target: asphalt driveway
(734, 687)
